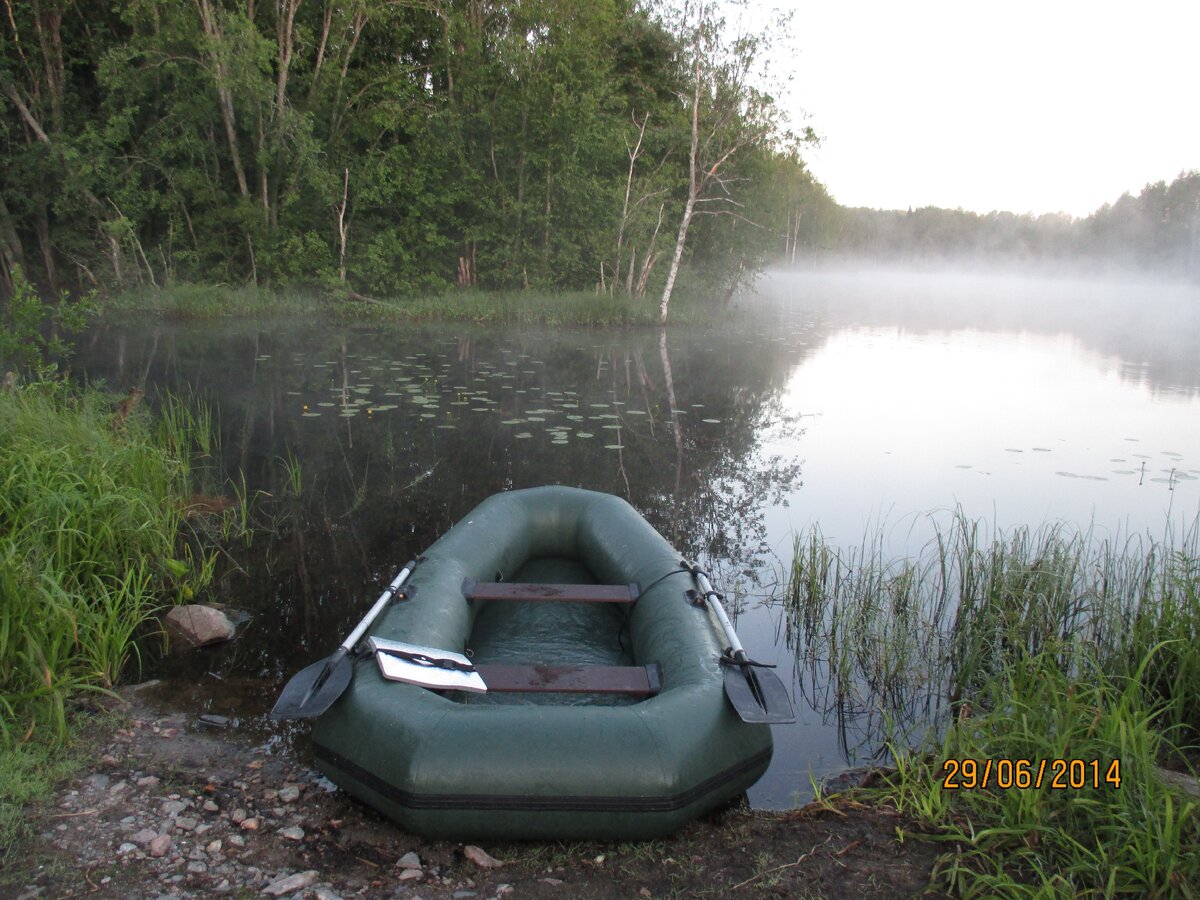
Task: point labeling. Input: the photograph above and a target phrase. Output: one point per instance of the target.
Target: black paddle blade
(314, 688)
(758, 695)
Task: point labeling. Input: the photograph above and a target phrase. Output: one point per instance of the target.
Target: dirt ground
(172, 808)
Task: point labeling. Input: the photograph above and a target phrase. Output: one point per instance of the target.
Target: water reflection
(364, 444)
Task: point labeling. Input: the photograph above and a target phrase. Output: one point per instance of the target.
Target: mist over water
(866, 404)
(1149, 329)
(1021, 400)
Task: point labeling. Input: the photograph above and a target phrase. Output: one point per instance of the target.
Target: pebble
(290, 883)
(144, 837)
(160, 849)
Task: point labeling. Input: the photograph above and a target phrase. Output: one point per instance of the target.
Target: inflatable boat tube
(500, 765)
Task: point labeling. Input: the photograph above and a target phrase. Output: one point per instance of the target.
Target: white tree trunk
(677, 256)
(693, 183)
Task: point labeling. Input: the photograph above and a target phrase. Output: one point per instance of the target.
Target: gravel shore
(172, 808)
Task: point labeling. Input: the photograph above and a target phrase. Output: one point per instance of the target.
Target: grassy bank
(91, 512)
(92, 500)
(488, 307)
(1031, 645)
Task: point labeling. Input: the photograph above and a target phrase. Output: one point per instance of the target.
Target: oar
(756, 693)
(314, 688)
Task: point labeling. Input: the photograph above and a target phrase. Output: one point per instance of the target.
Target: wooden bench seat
(578, 593)
(643, 681)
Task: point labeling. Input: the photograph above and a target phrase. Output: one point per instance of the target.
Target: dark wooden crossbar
(582, 593)
(637, 680)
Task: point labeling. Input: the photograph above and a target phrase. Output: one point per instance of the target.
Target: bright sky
(1026, 105)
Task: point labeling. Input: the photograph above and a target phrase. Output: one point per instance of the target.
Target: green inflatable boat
(549, 670)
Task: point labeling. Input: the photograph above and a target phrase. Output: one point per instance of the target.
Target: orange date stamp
(1005, 774)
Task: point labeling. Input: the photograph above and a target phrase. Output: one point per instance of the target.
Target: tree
(728, 115)
(377, 146)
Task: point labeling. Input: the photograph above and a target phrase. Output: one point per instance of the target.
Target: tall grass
(91, 514)
(913, 634)
(207, 301)
(471, 305)
(1033, 644)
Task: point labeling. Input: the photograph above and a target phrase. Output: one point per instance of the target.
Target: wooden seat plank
(582, 593)
(633, 680)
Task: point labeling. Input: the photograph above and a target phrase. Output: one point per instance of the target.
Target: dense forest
(388, 146)
(1156, 231)
(401, 147)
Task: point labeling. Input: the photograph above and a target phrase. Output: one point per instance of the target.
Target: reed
(929, 632)
(524, 307)
(1032, 644)
(91, 517)
(215, 301)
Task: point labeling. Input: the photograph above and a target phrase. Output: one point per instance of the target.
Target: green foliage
(1100, 838)
(28, 773)
(1040, 645)
(91, 515)
(32, 334)
(412, 147)
(911, 634)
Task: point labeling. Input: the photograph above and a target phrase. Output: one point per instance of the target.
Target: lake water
(857, 403)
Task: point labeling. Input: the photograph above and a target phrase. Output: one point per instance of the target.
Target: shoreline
(169, 807)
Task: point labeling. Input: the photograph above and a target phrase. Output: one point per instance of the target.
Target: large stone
(481, 858)
(1182, 781)
(197, 625)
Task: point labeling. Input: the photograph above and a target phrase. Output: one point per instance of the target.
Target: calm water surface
(859, 404)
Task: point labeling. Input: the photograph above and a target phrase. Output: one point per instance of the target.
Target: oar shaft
(735, 646)
(384, 599)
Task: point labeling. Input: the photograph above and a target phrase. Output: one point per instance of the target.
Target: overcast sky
(1026, 105)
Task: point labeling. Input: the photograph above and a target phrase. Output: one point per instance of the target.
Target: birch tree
(727, 115)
